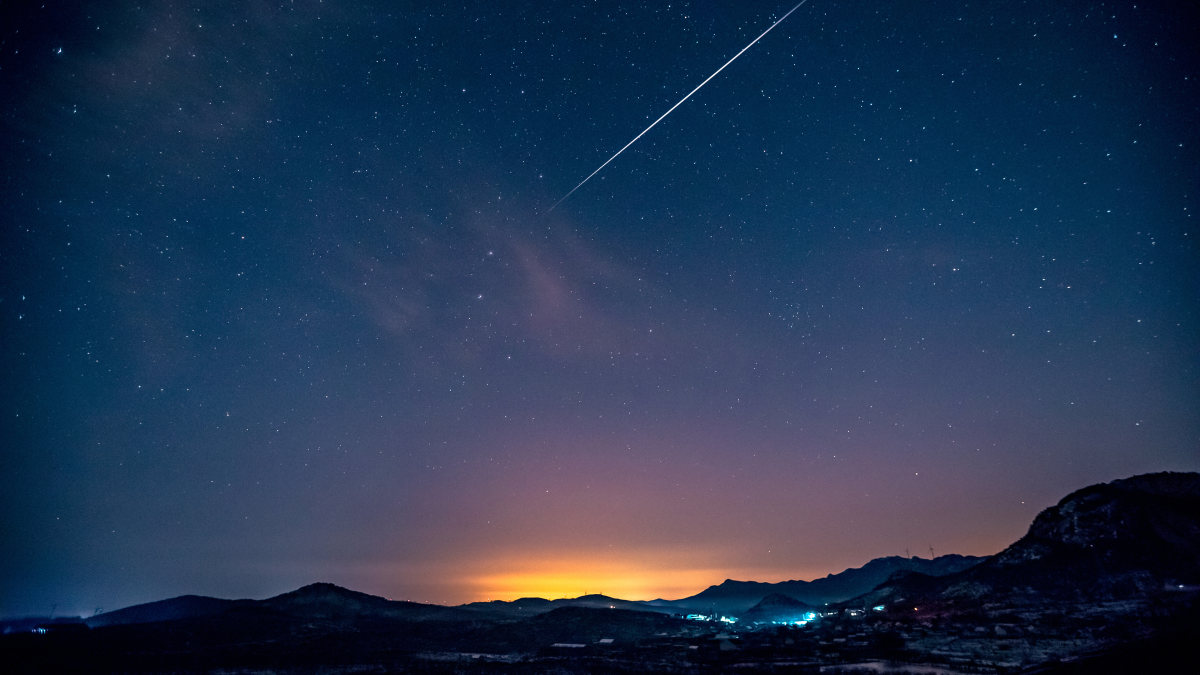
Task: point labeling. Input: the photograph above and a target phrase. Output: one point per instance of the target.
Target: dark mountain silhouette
(319, 601)
(1146, 524)
(1111, 572)
(513, 608)
(326, 598)
(736, 597)
(530, 606)
(182, 607)
(1106, 541)
(329, 601)
(778, 607)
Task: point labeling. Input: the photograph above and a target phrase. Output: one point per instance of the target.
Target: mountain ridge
(735, 597)
(1105, 541)
(329, 601)
(1110, 567)
(1141, 524)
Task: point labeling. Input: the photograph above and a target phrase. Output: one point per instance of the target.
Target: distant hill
(736, 597)
(325, 600)
(514, 608)
(526, 607)
(778, 607)
(1106, 541)
(319, 601)
(182, 607)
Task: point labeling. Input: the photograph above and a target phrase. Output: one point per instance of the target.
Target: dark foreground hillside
(566, 641)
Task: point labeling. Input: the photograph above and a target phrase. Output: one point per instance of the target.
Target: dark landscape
(680, 337)
(1107, 580)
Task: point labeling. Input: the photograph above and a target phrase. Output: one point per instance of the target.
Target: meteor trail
(635, 138)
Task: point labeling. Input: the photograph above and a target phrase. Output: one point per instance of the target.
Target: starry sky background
(282, 301)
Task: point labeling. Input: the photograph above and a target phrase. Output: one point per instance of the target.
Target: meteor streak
(635, 138)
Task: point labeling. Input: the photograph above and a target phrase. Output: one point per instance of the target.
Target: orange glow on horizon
(633, 573)
(570, 578)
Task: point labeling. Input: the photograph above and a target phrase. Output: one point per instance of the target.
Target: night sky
(283, 299)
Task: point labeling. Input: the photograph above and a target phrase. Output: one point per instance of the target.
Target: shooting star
(635, 138)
